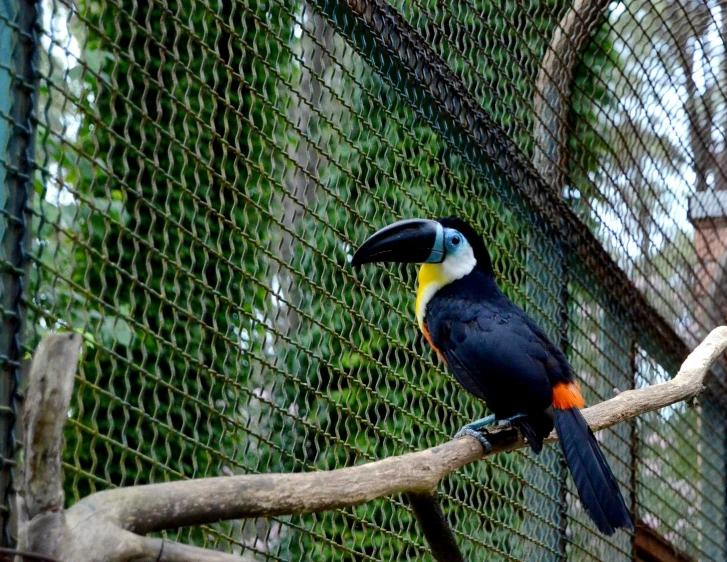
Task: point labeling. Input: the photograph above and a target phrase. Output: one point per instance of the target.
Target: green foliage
(588, 141)
(152, 175)
(227, 161)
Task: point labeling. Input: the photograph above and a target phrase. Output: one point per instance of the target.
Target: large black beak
(407, 241)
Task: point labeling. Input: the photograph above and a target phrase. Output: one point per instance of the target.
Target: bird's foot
(507, 422)
(466, 430)
(479, 424)
(474, 428)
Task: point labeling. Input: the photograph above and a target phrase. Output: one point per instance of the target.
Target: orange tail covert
(567, 395)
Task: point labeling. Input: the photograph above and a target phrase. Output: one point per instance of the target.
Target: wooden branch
(553, 89)
(42, 524)
(154, 507)
(160, 550)
(439, 534)
(46, 529)
(106, 526)
(50, 386)
(687, 384)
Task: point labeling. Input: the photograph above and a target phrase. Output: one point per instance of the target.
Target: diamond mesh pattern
(205, 169)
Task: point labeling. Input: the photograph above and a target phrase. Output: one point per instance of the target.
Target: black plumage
(596, 484)
(497, 352)
(501, 356)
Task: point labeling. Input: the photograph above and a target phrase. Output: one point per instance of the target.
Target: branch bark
(155, 507)
(124, 514)
(40, 500)
(50, 387)
(553, 89)
(437, 530)
(46, 529)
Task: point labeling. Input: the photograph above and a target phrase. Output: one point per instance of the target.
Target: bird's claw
(486, 445)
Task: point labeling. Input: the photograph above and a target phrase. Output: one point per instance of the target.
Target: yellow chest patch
(431, 279)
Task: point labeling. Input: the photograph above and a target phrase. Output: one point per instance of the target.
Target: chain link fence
(203, 171)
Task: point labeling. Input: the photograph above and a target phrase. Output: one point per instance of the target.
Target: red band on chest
(428, 337)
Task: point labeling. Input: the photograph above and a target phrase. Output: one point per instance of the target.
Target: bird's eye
(455, 240)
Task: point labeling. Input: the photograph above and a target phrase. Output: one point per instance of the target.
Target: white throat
(434, 276)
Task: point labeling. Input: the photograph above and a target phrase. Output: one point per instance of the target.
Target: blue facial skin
(448, 242)
(454, 242)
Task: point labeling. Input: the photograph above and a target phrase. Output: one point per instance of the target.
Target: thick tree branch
(117, 518)
(50, 386)
(687, 384)
(42, 523)
(553, 89)
(155, 507)
(46, 529)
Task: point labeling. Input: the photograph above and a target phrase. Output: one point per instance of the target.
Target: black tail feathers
(535, 442)
(597, 486)
(535, 427)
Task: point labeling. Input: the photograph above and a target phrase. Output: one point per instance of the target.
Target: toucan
(497, 352)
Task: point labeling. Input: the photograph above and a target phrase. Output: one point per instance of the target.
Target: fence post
(18, 56)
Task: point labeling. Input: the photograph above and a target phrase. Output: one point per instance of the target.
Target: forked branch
(139, 510)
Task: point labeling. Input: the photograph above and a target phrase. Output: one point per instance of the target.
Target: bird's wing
(558, 368)
(497, 357)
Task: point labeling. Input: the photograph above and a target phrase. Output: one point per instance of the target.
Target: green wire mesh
(204, 172)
